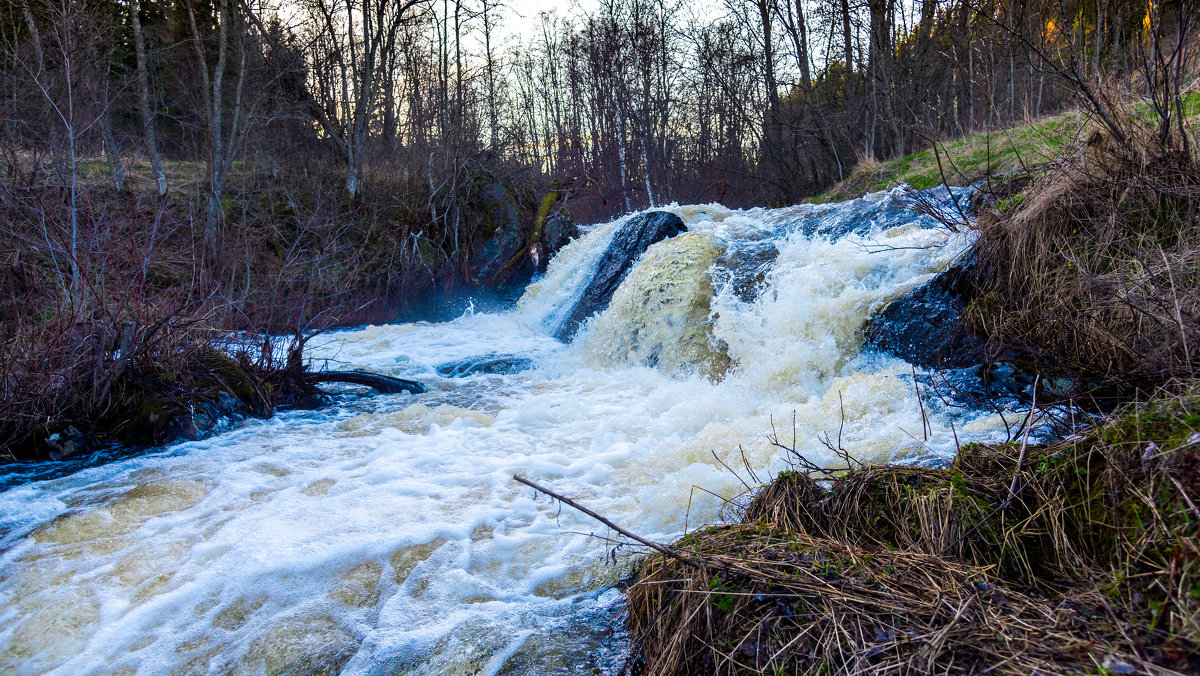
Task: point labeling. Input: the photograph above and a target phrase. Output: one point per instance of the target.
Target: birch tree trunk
(621, 154)
(144, 108)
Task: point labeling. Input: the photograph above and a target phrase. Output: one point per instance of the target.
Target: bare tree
(144, 108)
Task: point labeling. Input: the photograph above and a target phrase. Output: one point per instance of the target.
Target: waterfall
(384, 534)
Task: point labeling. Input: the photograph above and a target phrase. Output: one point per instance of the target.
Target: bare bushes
(1089, 563)
(1095, 266)
(136, 364)
(112, 323)
(116, 317)
(75, 384)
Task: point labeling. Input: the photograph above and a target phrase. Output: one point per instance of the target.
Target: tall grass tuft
(1095, 265)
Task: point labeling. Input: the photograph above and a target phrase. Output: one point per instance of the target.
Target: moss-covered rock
(660, 315)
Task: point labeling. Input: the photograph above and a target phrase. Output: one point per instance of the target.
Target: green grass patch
(965, 160)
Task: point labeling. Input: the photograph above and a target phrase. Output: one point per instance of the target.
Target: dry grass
(1096, 265)
(792, 604)
(1029, 149)
(1091, 565)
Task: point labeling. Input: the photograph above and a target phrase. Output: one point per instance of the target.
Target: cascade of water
(384, 534)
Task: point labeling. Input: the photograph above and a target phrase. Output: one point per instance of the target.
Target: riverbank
(139, 331)
(1074, 556)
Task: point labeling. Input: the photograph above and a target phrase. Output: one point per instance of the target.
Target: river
(384, 534)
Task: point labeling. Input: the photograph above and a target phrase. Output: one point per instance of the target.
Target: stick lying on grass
(571, 503)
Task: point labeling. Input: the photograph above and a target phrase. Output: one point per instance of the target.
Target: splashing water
(385, 535)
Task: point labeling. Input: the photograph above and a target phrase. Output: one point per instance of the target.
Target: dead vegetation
(1095, 265)
(1080, 558)
(113, 311)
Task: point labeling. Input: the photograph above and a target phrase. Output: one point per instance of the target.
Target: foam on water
(385, 534)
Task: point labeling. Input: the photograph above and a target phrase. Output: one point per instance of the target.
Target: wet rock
(67, 442)
(745, 267)
(630, 242)
(502, 223)
(660, 316)
(517, 247)
(207, 417)
(560, 230)
(495, 364)
(928, 207)
(924, 326)
(971, 388)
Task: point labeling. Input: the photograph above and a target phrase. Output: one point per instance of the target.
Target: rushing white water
(385, 534)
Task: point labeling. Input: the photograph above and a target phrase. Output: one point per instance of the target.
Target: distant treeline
(641, 101)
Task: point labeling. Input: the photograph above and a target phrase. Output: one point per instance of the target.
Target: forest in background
(640, 101)
(319, 109)
(171, 170)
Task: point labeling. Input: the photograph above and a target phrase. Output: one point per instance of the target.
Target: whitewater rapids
(385, 534)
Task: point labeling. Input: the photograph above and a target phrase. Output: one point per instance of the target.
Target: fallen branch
(571, 503)
(1012, 489)
(382, 383)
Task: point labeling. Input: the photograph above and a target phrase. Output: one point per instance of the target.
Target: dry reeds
(793, 604)
(1088, 561)
(1096, 265)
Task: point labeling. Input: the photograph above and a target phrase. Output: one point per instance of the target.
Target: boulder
(559, 232)
(67, 441)
(513, 249)
(628, 244)
(490, 364)
(924, 326)
(660, 316)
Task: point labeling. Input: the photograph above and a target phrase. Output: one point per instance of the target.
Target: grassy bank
(1025, 150)
(963, 161)
(1079, 557)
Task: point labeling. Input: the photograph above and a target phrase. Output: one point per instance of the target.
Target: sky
(526, 24)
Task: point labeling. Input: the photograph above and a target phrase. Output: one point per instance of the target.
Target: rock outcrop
(502, 223)
(660, 316)
(515, 247)
(924, 326)
(630, 242)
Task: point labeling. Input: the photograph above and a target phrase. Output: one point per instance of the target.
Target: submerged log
(382, 383)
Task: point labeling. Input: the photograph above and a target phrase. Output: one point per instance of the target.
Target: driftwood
(382, 383)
